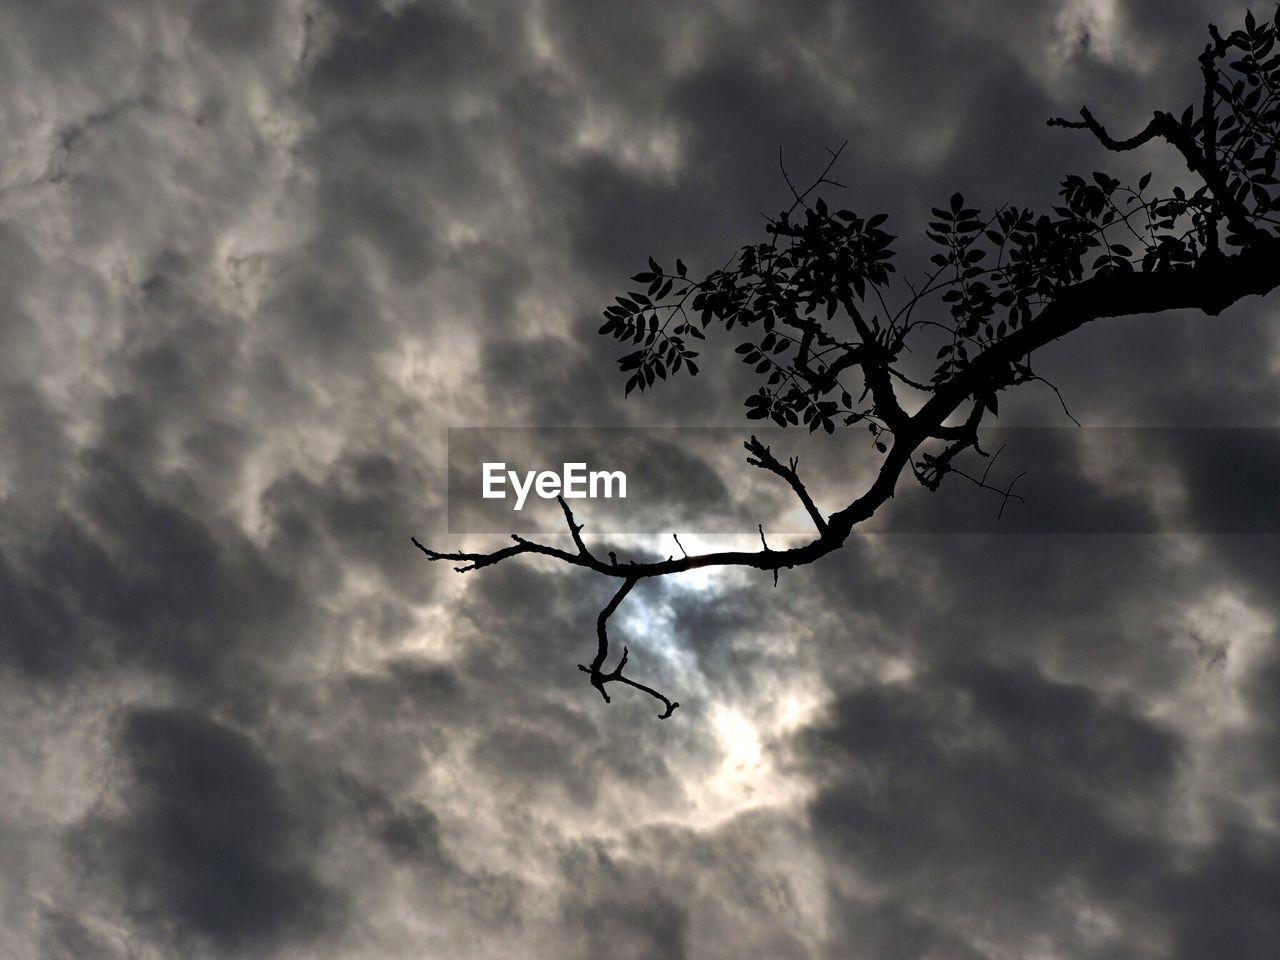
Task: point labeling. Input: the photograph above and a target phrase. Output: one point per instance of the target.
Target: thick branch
(1210, 286)
(875, 360)
(934, 467)
(965, 431)
(1156, 127)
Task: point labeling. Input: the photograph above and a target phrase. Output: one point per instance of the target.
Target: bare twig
(575, 529)
(1006, 492)
(598, 677)
(821, 179)
(763, 458)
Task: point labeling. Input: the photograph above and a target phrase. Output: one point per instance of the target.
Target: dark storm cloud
(1224, 904)
(1049, 796)
(256, 256)
(1098, 607)
(137, 579)
(1022, 786)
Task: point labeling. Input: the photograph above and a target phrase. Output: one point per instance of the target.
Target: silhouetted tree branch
(1008, 283)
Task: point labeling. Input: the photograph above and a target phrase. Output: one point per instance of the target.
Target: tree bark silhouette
(828, 264)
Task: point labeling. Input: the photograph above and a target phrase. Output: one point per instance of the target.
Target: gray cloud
(207, 849)
(255, 257)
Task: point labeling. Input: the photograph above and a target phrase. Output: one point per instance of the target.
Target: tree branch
(1156, 127)
(598, 677)
(1167, 128)
(1209, 286)
(575, 528)
(763, 458)
(824, 271)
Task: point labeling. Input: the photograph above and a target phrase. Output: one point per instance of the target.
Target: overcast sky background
(257, 256)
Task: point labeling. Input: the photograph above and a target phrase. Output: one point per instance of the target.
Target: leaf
(1143, 181)
(957, 202)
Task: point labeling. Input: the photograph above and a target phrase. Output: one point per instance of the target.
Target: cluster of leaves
(1245, 139)
(815, 294)
(1009, 262)
(996, 272)
(643, 317)
(785, 288)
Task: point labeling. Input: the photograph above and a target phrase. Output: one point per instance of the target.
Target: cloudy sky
(256, 257)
